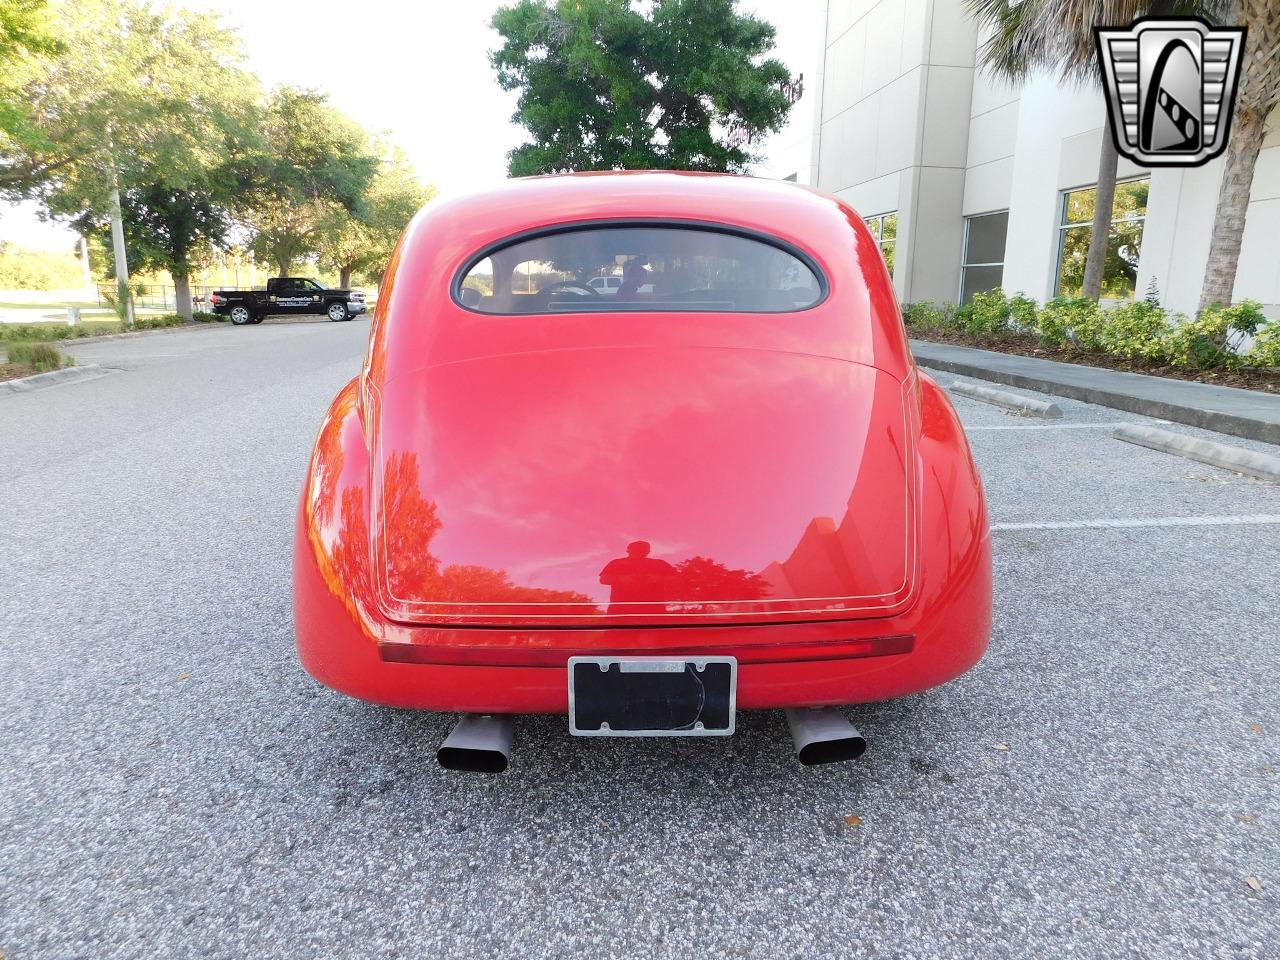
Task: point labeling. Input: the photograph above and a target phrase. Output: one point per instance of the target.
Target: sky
(416, 72)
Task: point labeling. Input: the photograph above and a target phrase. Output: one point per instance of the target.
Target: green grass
(37, 357)
(60, 305)
(45, 332)
(57, 312)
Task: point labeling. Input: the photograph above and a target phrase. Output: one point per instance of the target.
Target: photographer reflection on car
(636, 579)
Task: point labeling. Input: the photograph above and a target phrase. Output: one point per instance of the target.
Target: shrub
(1022, 313)
(989, 313)
(40, 357)
(1140, 330)
(90, 328)
(158, 322)
(1088, 326)
(1207, 340)
(1061, 319)
(1137, 330)
(927, 316)
(1266, 348)
(12, 332)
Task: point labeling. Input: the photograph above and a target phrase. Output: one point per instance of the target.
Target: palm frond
(1015, 46)
(1058, 36)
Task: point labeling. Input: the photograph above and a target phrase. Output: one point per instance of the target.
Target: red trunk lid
(643, 485)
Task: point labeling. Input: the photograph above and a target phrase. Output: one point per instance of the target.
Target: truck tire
(240, 315)
(338, 311)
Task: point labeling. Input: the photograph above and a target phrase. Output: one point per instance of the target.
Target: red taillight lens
(214, 298)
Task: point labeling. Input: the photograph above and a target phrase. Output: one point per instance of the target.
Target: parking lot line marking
(1054, 426)
(1251, 519)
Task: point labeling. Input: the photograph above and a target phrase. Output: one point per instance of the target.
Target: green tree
(26, 39)
(1027, 35)
(174, 230)
(603, 85)
(314, 164)
(176, 196)
(1256, 100)
(361, 244)
(146, 117)
(24, 30)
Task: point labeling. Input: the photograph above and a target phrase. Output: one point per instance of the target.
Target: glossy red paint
(495, 494)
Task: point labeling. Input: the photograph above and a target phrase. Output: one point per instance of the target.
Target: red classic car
(721, 485)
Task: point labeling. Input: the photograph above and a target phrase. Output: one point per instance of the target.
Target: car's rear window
(605, 269)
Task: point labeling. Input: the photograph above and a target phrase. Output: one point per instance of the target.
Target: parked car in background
(650, 509)
(608, 285)
(286, 296)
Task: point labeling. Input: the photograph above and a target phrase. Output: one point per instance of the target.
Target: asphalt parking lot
(1103, 784)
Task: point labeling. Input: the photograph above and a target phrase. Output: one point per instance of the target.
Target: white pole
(117, 249)
(84, 263)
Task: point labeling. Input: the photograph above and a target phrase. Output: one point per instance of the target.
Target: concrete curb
(1242, 413)
(51, 379)
(1237, 459)
(1010, 401)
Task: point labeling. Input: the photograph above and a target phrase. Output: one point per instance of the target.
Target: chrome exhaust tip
(823, 735)
(479, 743)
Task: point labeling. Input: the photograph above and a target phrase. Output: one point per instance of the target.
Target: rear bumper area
(525, 671)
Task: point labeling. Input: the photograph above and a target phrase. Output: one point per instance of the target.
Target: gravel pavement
(1103, 784)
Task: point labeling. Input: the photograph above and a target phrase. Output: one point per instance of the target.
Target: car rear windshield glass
(629, 268)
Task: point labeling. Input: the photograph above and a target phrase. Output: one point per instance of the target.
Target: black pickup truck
(284, 296)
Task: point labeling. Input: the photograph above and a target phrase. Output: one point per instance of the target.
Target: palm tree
(1057, 35)
(1256, 99)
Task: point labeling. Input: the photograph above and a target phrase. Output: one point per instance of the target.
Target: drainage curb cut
(40, 380)
(1010, 401)
(1254, 464)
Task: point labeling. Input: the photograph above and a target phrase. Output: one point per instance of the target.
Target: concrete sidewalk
(1242, 413)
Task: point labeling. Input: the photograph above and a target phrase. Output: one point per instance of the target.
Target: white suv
(605, 286)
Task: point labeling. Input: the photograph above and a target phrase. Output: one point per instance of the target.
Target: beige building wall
(910, 125)
(895, 111)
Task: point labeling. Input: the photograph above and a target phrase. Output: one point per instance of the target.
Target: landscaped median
(28, 348)
(45, 332)
(27, 359)
(1231, 346)
(33, 366)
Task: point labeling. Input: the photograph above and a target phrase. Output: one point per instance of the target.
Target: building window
(1124, 245)
(884, 227)
(983, 267)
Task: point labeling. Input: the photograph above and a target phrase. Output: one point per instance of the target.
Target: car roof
(516, 203)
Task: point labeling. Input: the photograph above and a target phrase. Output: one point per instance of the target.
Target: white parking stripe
(1059, 426)
(1253, 519)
